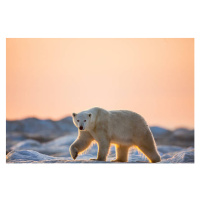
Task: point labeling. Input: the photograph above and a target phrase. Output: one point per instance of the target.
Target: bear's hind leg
(151, 153)
(148, 146)
(121, 153)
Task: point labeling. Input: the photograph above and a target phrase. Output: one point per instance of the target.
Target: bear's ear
(74, 114)
(90, 115)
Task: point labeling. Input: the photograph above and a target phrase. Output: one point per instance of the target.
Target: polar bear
(120, 127)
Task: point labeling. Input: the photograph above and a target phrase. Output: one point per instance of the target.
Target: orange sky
(51, 78)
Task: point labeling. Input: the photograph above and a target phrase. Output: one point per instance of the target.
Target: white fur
(121, 127)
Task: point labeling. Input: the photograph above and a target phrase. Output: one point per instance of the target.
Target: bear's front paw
(73, 152)
(97, 159)
(116, 160)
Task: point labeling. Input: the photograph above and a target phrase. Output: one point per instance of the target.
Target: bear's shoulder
(95, 110)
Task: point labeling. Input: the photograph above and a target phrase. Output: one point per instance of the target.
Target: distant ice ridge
(33, 140)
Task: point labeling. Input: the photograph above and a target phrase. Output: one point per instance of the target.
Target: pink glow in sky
(51, 78)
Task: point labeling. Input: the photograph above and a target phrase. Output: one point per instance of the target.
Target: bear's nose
(81, 128)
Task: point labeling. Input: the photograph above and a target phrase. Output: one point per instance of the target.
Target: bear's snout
(81, 128)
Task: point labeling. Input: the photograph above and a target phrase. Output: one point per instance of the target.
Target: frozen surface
(46, 141)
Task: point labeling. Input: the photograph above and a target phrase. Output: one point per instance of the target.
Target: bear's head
(82, 120)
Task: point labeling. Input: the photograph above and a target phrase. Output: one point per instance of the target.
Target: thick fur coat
(121, 127)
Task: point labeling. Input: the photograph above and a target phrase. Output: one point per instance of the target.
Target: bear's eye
(77, 120)
(84, 120)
